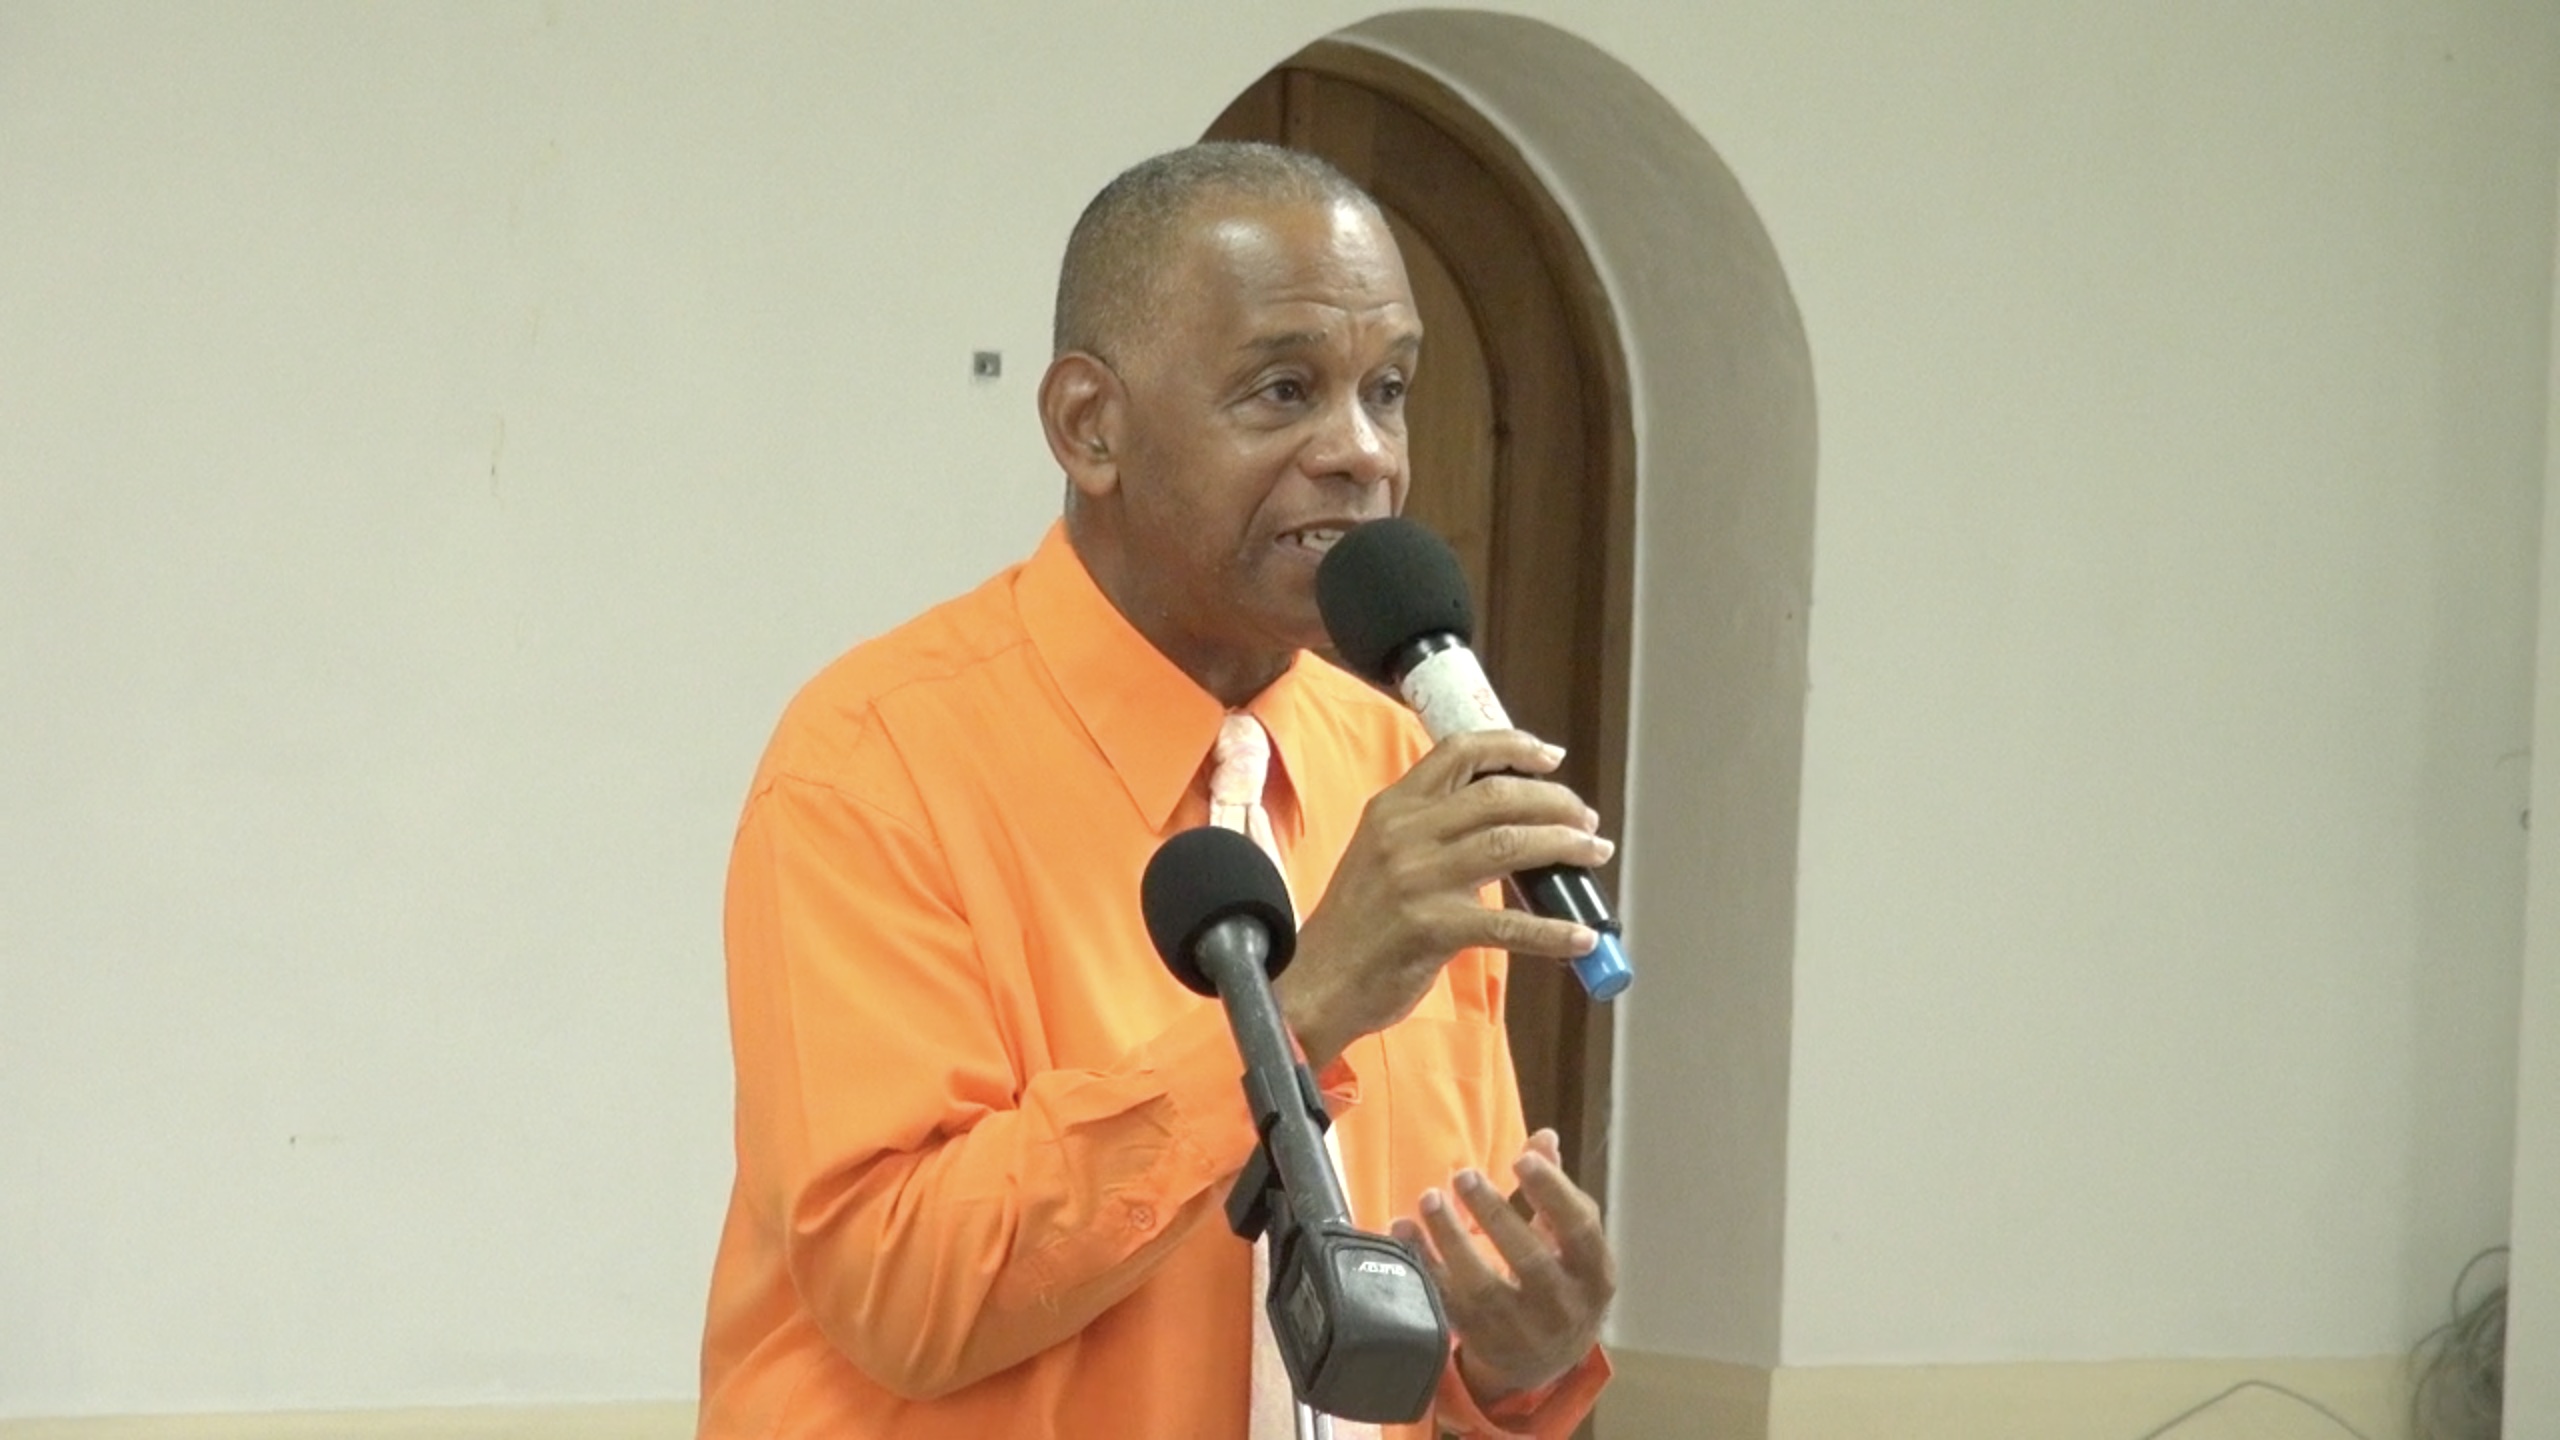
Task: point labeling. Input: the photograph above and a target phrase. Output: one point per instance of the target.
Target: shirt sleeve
(1550, 1412)
(941, 1216)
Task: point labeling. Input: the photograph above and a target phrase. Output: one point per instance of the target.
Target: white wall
(2182, 378)
(434, 440)
(2533, 1272)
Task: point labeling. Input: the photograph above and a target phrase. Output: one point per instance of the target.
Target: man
(983, 1138)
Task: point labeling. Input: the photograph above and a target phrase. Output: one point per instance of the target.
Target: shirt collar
(1152, 722)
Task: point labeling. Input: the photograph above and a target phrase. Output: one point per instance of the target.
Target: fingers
(1457, 1265)
(1571, 1215)
(1481, 828)
(1513, 800)
(1522, 1248)
(1457, 761)
(1519, 932)
(1547, 1220)
(1570, 1273)
(1457, 1261)
(1407, 894)
(1447, 843)
(1459, 920)
(1542, 1142)
(1489, 854)
(1498, 801)
(1497, 826)
(1520, 1329)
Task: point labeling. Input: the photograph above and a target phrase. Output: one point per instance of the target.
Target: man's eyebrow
(1282, 344)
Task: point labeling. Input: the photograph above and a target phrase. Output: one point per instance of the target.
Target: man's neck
(1233, 674)
(1239, 681)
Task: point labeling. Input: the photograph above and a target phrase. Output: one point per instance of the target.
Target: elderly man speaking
(982, 1137)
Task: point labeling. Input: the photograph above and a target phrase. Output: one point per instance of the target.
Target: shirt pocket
(1449, 1073)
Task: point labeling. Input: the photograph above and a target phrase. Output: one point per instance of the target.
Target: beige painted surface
(1676, 1395)
(2161, 886)
(2085, 1401)
(548, 1422)
(2533, 1274)
(1667, 1397)
(1654, 1397)
(440, 436)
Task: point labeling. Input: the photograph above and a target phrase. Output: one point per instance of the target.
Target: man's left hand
(1522, 1329)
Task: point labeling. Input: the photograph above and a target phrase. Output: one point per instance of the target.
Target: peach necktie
(1240, 766)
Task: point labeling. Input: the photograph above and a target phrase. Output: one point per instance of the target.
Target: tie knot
(1241, 762)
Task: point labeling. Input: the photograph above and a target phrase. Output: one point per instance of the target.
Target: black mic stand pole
(1358, 1322)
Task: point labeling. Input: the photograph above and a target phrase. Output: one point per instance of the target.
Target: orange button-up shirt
(983, 1137)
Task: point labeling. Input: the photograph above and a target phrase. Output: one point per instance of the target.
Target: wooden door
(1521, 457)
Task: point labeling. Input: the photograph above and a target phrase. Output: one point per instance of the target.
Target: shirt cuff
(1195, 1063)
(1549, 1412)
(1338, 1083)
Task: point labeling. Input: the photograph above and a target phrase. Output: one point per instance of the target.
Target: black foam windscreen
(1201, 877)
(1385, 585)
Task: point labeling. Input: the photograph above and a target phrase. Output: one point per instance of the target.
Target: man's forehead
(1289, 272)
(1331, 224)
(1246, 243)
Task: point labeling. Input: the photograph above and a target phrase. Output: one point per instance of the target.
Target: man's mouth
(1316, 538)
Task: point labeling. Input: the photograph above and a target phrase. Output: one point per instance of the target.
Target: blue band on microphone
(1604, 972)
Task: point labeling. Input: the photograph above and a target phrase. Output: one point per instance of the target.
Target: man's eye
(1391, 391)
(1287, 392)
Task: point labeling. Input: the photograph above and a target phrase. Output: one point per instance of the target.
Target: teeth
(1318, 539)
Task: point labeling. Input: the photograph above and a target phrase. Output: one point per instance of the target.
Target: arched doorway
(1522, 455)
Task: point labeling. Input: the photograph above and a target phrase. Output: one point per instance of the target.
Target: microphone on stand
(1358, 1323)
(1395, 603)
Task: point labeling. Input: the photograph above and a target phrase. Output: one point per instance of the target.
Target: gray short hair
(1116, 256)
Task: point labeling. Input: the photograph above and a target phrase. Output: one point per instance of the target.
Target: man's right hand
(1405, 897)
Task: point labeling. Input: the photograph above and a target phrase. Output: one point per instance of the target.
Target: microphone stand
(1358, 1322)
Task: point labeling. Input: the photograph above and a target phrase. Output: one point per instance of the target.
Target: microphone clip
(1356, 1318)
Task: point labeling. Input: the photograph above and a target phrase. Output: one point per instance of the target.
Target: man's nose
(1355, 447)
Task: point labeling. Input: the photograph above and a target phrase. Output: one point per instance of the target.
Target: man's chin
(1284, 606)
(1300, 623)
(1293, 632)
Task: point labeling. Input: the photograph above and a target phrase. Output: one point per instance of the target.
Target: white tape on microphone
(1449, 691)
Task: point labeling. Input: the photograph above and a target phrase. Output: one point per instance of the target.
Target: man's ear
(1083, 411)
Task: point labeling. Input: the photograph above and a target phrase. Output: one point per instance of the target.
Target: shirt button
(1142, 1217)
